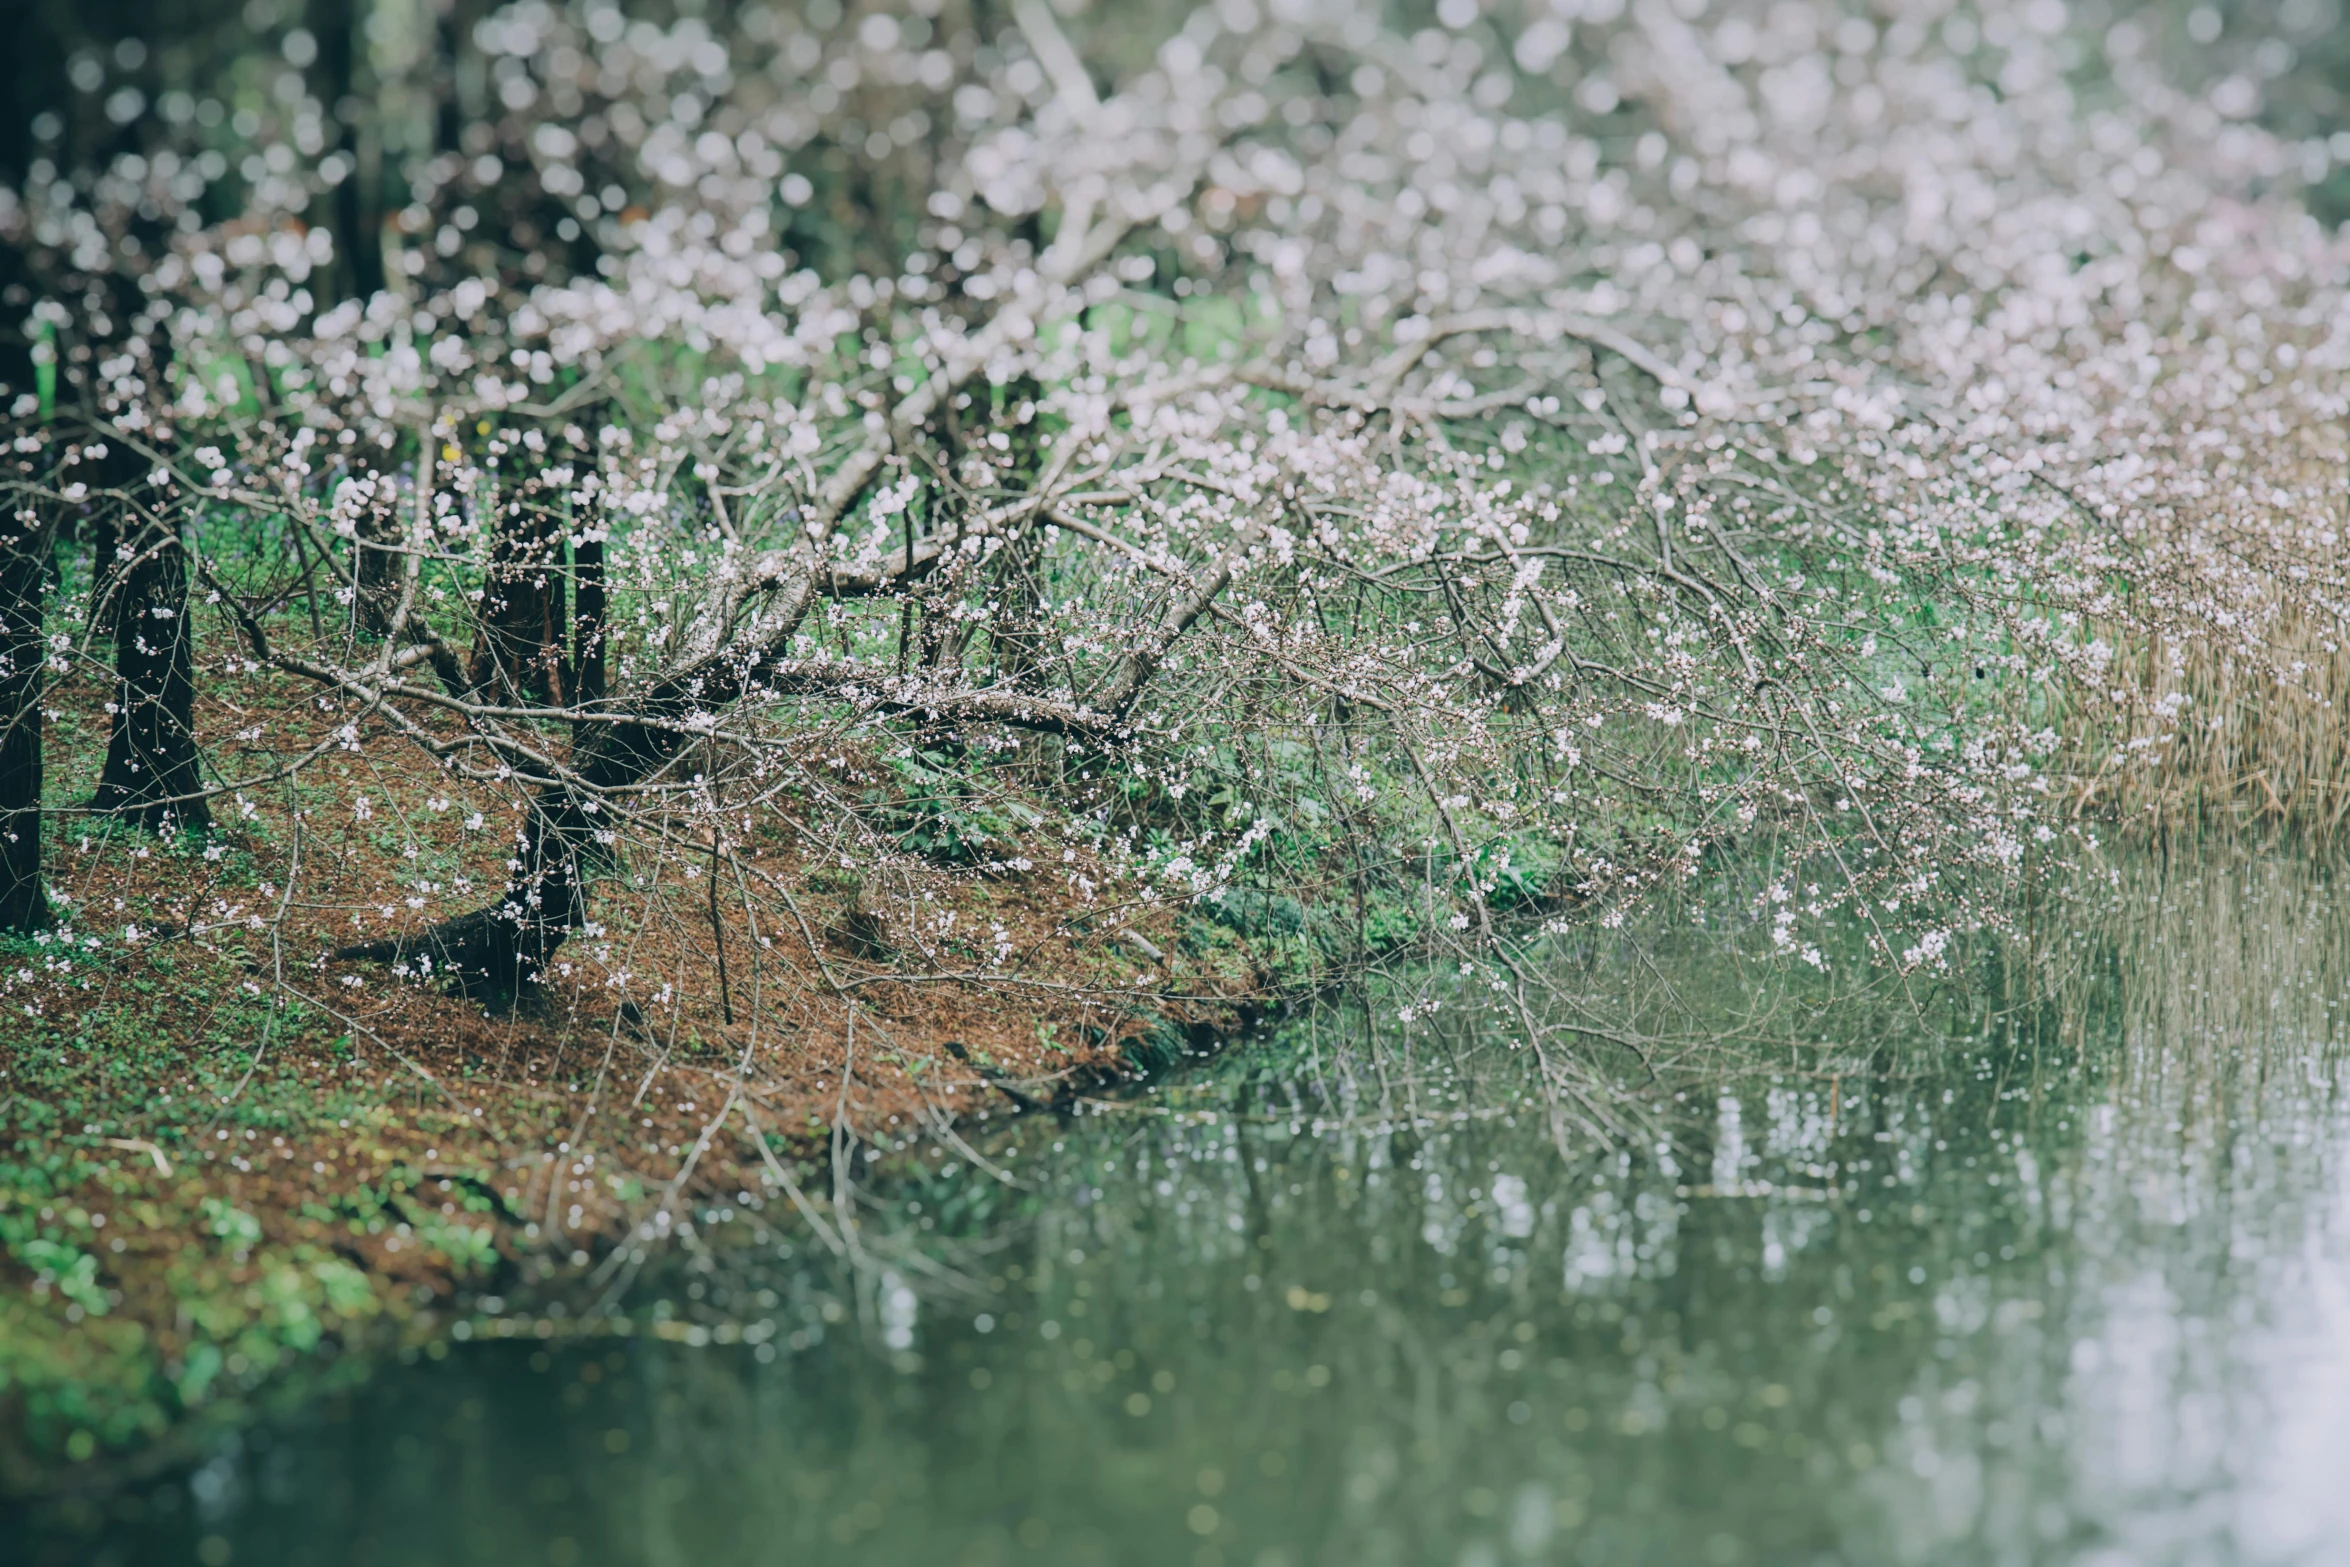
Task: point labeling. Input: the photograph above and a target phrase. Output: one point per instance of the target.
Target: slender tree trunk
(24, 573)
(463, 76)
(589, 526)
(943, 636)
(519, 656)
(378, 535)
(152, 775)
(587, 630)
(340, 44)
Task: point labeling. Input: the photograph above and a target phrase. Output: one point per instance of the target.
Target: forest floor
(221, 1149)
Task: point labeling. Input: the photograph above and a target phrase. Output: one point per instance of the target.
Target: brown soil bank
(221, 1150)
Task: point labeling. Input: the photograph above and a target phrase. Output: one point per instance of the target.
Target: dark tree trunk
(519, 657)
(587, 631)
(24, 574)
(339, 48)
(376, 563)
(588, 528)
(503, 951)
(462, 76)
(152, 775)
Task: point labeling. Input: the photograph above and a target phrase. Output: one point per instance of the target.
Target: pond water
(2059, 1273)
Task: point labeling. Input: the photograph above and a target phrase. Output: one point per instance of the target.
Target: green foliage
(472, 1249)
(1254, 912)
(73, 1273)
(940, 805)
(237, 1229)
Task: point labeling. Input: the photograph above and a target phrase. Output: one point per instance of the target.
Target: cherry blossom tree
(1405, 488)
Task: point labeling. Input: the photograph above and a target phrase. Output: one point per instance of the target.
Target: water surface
(2057, 1272)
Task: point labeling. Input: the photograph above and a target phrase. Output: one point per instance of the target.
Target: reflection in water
(2067, 1281)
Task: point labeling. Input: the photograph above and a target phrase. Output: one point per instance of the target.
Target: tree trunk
(587, 631)
(152, 775)
(519, 657)
(24, 563)
(376, 536)
(340, 47)
(503, 951)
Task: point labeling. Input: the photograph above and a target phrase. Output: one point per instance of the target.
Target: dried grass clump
(2220, 691)
(2267, 742)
